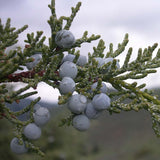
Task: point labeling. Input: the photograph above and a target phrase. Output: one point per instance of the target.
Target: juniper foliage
(47, 71)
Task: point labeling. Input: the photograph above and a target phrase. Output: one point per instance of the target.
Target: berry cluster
(82, 108)
(36, 59)
(32, 131)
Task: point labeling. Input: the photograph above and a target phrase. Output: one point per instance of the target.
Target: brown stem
(17, 77)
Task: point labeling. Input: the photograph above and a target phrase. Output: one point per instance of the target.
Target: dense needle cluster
(82, 81)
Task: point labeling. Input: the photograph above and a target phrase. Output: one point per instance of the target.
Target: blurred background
(126, 136)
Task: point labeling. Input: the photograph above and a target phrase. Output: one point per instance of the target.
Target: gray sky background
(109, 18)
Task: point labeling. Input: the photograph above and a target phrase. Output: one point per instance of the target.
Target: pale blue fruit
(81, 122)
(82, 60)
(103, 89)
(107, 60)
(37, 58)
(64, 39)
(68, 57)
(68, 69)
(16, 147)
(91, 112)
(67, 85)
(101, 101)
(100, 61)
(36, 107)
(32, 131)
(77, 103)
(41, 116)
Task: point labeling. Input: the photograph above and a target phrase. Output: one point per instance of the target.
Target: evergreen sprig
(47, 70)
(8, 34)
